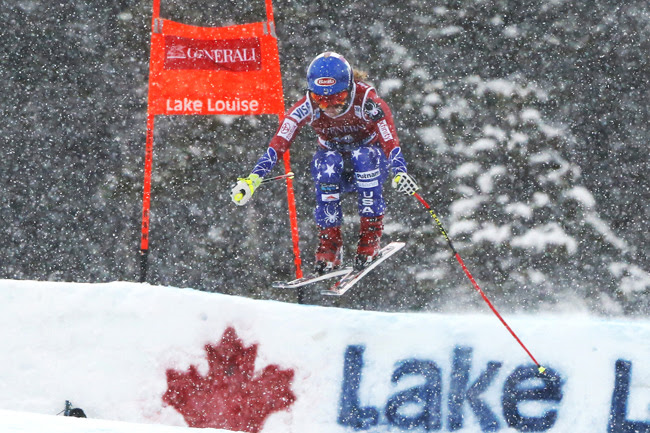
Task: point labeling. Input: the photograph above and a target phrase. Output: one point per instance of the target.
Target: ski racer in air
(357, 149)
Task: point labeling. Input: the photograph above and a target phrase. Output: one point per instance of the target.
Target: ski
(310, 279)
(353, 277)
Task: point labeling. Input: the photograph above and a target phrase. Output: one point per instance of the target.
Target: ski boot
(329, 254)
(369, 239)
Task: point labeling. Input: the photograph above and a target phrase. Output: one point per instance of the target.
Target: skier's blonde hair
(360, 75)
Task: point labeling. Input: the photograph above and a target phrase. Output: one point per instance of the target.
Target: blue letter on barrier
(618, 412)
(351, 413)
(513, 394)
(429, 396)
(460, 392)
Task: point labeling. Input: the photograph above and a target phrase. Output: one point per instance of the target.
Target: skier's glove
(405, 183)
(244, 189)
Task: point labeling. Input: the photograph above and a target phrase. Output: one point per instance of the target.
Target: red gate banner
(206, 70)
(212, 70)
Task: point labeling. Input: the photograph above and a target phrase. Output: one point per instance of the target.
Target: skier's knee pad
(370, 164)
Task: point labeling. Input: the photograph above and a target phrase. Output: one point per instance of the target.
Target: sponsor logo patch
(365, 175)
(330, 197)
(329, 187)
(287, 129)
(300, 112)
(384, 130)
(325, 81)
(373, 110)
(370, 184)
(221, 55)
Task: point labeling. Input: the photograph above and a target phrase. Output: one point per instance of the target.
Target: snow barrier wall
(144, 354)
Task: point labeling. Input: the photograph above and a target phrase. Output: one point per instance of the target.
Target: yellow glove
(244, 189)
(405, 183)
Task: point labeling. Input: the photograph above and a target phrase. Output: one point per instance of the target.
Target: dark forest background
(525, 123)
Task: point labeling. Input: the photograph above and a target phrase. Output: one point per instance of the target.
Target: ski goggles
(334, 100)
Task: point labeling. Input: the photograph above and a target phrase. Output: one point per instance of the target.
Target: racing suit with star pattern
(356, 149)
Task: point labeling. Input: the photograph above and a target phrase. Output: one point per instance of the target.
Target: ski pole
(282, 176)
(270, 179)
(473, 281)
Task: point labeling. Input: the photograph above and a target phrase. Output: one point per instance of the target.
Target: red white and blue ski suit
(355, 150)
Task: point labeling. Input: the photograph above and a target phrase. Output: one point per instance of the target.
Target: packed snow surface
(125, 353)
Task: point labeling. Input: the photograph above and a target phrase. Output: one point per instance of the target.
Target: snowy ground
(25, 422)
(124, 351)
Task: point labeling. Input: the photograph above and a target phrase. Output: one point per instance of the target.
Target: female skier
(357, 144)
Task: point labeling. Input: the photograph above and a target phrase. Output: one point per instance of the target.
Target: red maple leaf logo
(230, 396)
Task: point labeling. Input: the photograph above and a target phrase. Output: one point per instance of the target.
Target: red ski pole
(474, 283)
